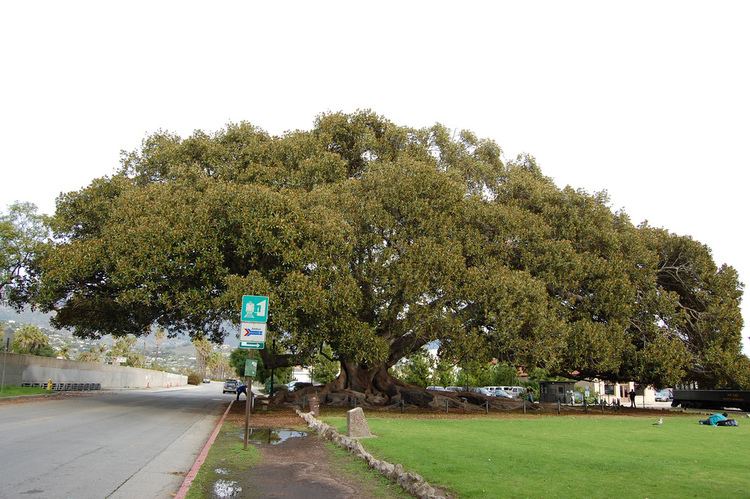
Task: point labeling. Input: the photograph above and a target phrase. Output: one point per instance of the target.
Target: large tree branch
(273, 361)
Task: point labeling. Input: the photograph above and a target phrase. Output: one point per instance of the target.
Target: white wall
(33, 369)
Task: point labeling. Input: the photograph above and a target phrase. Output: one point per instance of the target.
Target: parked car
(437, 388)
(297, 385)
(206, 380)
(514, 391)
(230, 386)
(454, 389)
(498, 391)
(664, 395)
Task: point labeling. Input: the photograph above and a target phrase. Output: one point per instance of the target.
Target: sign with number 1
(254, 309)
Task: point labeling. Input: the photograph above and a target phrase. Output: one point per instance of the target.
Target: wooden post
(524, 406)
(486, 406)
(446, 406)
(558, 406)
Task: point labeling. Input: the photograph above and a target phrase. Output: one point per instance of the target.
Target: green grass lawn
(567, 456)
(12, 391)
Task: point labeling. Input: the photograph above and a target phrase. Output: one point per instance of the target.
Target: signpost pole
(253, 318)
(248, 384)
(5, 359)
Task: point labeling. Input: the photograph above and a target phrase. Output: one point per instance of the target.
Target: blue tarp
(713, 419)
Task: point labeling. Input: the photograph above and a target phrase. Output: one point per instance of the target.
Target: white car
(503, 394)
(499, 391)
(663, 395)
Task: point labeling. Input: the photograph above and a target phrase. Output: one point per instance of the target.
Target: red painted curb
(201, 457)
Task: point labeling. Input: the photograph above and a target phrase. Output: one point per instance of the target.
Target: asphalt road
(128, 444)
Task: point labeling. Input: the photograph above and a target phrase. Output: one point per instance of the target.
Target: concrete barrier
(33, 369)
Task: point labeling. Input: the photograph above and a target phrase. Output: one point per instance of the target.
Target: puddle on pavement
(266, 436)
(226, 488)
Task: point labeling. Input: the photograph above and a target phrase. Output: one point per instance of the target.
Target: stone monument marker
(314, 405)
(356, 424)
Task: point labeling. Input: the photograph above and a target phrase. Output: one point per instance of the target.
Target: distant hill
(40, 319)
(24, 317)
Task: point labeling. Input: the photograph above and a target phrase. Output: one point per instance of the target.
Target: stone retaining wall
(410, 482)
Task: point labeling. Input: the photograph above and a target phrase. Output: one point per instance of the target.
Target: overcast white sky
(648, 100)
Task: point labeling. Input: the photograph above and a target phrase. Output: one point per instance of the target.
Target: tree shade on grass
(582, 456)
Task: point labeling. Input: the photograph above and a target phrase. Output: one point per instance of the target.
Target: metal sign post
(253, 316)
(5, 359)
(251, 367)
(248, 384)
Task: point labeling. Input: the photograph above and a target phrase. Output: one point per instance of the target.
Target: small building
(619, 391)
(556, 391)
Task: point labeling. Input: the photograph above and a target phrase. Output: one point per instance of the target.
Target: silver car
(230, 386)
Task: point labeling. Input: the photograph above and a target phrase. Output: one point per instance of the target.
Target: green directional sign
(253, 345)
(251, 367)
(254, 308)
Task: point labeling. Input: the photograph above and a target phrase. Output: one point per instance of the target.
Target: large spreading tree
(376, 239)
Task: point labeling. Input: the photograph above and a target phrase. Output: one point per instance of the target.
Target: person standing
(632, 397)
(242, 389)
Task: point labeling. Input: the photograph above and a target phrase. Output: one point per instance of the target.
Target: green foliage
(194, 378)
(93, 354)
(415, 369)
(203, 350)
(29, 339)
(14, 391)
(443, 373)
(504, 374)
(123, 347)
(64, 351)
(376, 239)
(237, 361)
(323, 370)
(22, 234)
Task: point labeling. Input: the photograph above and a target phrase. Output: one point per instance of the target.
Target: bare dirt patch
(301, 466)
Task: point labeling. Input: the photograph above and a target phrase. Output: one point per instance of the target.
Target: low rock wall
(410, 482)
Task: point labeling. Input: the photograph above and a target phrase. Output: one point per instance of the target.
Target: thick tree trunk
(373, 385)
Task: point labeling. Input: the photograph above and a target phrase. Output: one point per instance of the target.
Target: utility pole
(8, 339)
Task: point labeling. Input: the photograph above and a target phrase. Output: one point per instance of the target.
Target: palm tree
(29, 339)
(159, 338)
(203, 349)
(64, 351)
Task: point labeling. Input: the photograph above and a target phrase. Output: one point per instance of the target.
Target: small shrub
(194, 378)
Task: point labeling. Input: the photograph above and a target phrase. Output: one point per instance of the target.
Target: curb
(39, 396)
(182, 492)
(412, 483)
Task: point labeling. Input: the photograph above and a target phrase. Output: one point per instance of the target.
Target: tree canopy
(29, 339)
(376, 239)
(22, 234)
